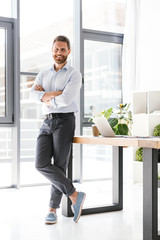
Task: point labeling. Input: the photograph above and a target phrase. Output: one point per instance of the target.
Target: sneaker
(51, 218)
(77, 207)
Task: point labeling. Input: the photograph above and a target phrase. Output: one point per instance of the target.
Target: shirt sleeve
(37, 95)
(70, 91)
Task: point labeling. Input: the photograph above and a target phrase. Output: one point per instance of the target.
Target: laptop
(104, 127)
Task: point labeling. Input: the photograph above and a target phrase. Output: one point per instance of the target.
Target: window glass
(102, 76)
(5, 156)
(102, 89)
(2, 73)
(5, 8)
(97, 173)
(97, 160)
(40, 22)
(31, 120)
(6, 72)
(104, 15)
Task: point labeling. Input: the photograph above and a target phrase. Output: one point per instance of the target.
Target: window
(102, 35)
(104, 15)
(2, 73)
(102, 76)
(37, 31)
(6, 72)
(30, 121)
(5, 9)
(100, 47)
(5, 157)
(102, 89)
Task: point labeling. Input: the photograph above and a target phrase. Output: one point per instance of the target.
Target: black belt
(56, 115)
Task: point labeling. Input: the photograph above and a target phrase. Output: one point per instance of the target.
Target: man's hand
(48, 103)
(49, 95)
(38, 88)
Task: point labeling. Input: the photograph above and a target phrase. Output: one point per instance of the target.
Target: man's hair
(62, 38)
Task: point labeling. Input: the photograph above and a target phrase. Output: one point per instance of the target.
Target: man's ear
(69, 51)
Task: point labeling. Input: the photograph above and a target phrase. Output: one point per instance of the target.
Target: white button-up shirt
(67, 80)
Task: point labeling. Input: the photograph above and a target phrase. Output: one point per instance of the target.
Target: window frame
(98, 36)
(81, 34)
(8, 119)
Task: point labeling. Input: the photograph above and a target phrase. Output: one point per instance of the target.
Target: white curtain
(130, 55)
(130, 70)
(141, 54)
(141, 51)
(149, 75)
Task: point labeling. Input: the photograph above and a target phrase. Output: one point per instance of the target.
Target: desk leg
(150, 194)
(118, 177)
(117, 188)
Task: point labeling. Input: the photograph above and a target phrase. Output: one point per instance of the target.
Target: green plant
(156, 131)
(139, 157)
(139, 154)
(120, 119)
(124, 116)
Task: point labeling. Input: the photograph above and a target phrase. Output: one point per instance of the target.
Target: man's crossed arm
(48, 95)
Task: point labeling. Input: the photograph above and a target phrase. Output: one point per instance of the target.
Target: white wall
(149, 45)
(141, 56)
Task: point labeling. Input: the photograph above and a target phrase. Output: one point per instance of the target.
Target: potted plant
(139, 167)
(120, 119)
(137, 163)
(156, 131)
(139, 154)
(124, 117)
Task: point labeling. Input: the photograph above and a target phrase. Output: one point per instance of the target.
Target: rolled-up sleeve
(37, 95)
(70, 91)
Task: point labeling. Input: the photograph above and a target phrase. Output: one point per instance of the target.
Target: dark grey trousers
(54, 145)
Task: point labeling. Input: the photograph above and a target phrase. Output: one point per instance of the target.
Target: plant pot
(95, 131)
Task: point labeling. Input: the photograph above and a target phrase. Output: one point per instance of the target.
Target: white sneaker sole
(50, 222)
(72, 208)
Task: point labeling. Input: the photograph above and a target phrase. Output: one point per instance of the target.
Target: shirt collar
(66, 66)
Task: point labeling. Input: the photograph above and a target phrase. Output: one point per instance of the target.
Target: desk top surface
(128, 141)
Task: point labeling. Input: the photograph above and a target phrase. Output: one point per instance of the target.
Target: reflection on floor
(22, 215)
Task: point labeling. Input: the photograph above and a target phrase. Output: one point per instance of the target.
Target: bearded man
(57, 88)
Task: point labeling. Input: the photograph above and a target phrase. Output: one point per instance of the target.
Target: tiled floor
(22, 215)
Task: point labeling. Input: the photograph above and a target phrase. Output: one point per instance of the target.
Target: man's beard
(60, 60)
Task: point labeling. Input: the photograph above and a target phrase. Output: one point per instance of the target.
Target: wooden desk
(150, 179)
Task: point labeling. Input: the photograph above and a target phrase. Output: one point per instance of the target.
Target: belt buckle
(50, 116)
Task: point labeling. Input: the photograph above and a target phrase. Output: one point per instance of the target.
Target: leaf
(115, 131)
(113, 122)
(124, 105)
(121, 117)
(139, 154)
(123, 129)
(108, 113)
(90, 119)
(128, 106)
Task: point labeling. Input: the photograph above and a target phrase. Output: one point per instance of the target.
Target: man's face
(60, 52)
